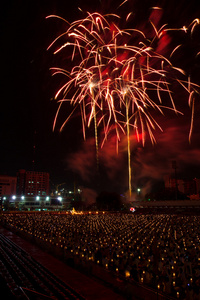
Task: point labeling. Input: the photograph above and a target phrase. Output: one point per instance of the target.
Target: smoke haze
(150, 163)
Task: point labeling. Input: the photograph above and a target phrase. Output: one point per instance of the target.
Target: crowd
(160, 251)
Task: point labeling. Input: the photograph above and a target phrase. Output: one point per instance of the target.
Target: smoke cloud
(88, 196)
(82, 161)
(149, 163)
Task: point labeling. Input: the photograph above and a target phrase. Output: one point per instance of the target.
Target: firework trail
(117, 77)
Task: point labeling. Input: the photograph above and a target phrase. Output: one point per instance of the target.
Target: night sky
(27, 109)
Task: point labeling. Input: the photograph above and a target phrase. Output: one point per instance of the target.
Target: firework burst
(117, 77)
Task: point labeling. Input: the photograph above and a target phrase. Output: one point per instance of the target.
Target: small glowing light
(13, 197)
(132, 209)
(185, 28)
(127, 274)
(22, 197)
(91, 85)
(47, 198)
(37, 198)
(59, 198)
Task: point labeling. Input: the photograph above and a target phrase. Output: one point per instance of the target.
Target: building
(189, 187)
(7, 185)
(29, 190)
(32, 183)
(37, 183)
(21, 179)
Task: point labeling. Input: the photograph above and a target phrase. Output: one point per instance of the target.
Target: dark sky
(27, 111)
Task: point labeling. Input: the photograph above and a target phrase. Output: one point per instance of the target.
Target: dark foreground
(158, 253)
(39, 271)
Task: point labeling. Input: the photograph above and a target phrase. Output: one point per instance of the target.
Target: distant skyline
(27, 111)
